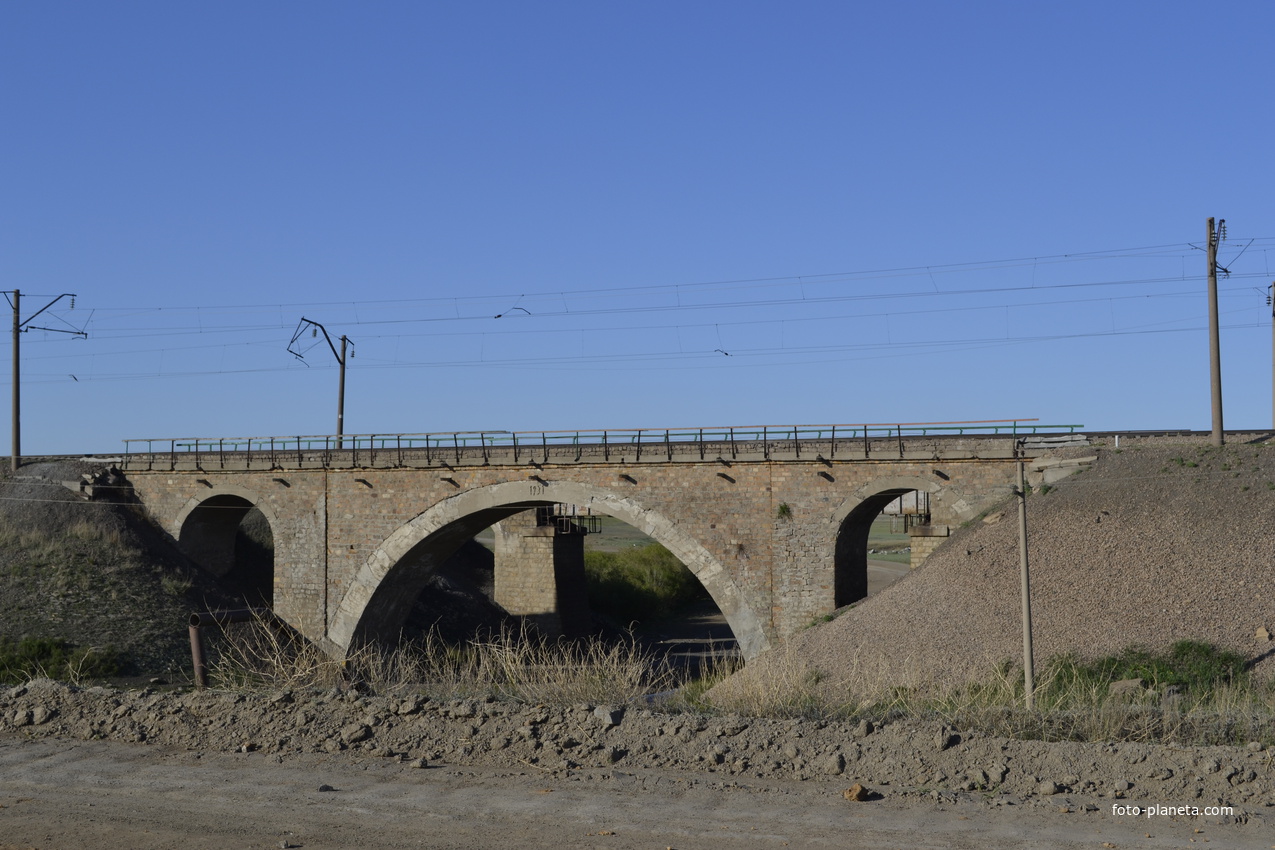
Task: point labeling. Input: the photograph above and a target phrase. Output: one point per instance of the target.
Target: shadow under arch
(383, 591)
(203, 525)
(853, 520)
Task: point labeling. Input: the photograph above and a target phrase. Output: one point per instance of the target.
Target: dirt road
(59, 794)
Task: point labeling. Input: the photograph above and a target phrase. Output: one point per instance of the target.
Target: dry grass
(511, 665)
(1072, 709)
(519, 667)
(37, 539)
(1068, 707)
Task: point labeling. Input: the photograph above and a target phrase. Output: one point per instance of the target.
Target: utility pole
(1029, 663)
(17, 377)
(1270, 301)
(1215, 346)
(340, 394)
(315, 327)
(18, 327)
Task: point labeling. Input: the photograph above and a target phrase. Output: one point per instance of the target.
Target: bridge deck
(950, 441)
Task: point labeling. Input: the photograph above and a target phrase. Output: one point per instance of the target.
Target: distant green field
(615, 535)
(888, 538)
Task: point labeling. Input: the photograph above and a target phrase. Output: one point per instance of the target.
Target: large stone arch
(377, 593)
(205, 527)
(851, 522)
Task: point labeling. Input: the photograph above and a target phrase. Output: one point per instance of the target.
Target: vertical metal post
(1271, 300)
(197, 657)
(1029, 684)
(340, 398)
(17, 374)
(1215, 353)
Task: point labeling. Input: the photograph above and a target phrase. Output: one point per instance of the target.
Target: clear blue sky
(686, 213)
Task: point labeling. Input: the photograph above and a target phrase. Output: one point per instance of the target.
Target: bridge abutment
(924, 539)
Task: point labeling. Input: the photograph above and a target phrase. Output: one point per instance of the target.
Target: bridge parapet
(999, 439)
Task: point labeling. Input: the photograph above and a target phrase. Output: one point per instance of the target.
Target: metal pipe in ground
(199, 621)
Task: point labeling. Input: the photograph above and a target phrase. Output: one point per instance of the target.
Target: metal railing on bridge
(480, 447)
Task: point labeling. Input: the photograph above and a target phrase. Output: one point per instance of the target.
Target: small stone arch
(206, 527)
(852, 521)
(378, 594)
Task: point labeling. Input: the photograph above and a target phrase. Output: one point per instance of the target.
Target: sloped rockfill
(1152, 545)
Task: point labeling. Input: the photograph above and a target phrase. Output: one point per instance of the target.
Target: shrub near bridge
(21, 660)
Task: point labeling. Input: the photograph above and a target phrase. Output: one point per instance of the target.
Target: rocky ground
(116, 769)
(592, 742)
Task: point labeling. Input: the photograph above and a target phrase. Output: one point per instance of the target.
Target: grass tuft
(512, 665)
(1192, 694)
(32, 658)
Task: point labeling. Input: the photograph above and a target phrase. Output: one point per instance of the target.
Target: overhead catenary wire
(733, 314)
(890, 349)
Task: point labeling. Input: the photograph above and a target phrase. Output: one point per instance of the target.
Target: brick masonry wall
(342, 537)
(923, 546)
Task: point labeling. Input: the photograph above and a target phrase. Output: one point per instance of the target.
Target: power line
(1166, 251)
(897, 349)
(550, 323)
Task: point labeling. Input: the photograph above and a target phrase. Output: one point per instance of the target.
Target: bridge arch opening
(376, 605)
(569, 572)
(566, 572)
(872, 547)
(230, 537)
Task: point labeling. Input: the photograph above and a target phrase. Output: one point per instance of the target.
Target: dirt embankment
(1157, 542)
(95, 573)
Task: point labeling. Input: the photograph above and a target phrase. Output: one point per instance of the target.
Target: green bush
(1190, 666)
(639, 584)
(32, 657)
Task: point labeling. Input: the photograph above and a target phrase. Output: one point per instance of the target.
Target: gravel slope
(1156, 542)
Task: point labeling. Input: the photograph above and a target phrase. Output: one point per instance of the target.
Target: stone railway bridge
(772, 521)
